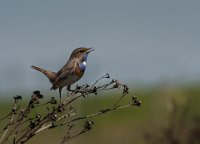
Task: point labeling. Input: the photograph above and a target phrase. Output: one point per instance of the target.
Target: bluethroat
(70, 73)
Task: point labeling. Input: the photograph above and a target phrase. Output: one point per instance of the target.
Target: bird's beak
(89, 50)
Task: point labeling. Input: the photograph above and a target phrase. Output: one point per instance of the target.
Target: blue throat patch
(82, 65)
(85, 57)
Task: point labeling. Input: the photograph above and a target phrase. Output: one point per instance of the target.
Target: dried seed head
(133, 98)
(87, 85)
(53, 100)
(53, 125)
(14, 110)
(94, 90)
(70, 126)
(38, 95)
(54, 117)
(88, 125)
(61, 108)
(137, 102)
(78, 87)
(32, 124)
(125, 89)
(106, 76)
(17, 98)
(38, 115)
(71, 108)
(117, 84)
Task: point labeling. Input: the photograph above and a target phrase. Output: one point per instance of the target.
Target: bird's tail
(51, 75)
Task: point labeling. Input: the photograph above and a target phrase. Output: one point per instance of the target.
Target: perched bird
(71, 72)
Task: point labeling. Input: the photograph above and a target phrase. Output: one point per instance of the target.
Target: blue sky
(136, 41)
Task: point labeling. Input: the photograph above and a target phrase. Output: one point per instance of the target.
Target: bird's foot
(79, 91)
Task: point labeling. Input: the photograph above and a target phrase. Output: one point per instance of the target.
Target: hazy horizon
(135, 41)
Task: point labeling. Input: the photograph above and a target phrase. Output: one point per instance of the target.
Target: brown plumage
(71, 72)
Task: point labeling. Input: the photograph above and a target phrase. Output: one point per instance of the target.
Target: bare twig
(22, 127)
(13, 113)
(103, 111)
(87, 127)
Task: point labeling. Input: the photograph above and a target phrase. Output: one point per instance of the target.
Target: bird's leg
(69, 88)
(75, 91)
(60, 89)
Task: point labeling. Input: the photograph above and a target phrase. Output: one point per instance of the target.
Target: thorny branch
(22, 126)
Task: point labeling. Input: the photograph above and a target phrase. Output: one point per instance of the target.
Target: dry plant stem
(119, 100)
(65, 139)
(6, 116)
(65, 103)
(88, 116)
(21, 131)
(8, 127)
(74, 136)
(31, 133)
(99, 80)
(49, 125)
(4, 134)
(103, 111)
(15, 125)
(19, 121)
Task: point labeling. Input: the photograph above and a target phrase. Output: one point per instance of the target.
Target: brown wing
(67, 70)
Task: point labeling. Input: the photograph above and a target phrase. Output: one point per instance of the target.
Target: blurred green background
(169, 114)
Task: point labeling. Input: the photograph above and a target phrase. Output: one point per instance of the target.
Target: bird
(70, 73)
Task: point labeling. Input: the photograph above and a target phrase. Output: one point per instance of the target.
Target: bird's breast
(82, 66)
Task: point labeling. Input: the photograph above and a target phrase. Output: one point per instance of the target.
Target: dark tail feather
(38, 69)
(51, 75)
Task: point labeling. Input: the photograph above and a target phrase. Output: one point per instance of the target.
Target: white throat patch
(84, 63)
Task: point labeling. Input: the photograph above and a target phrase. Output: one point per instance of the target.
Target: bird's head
(81, 53)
